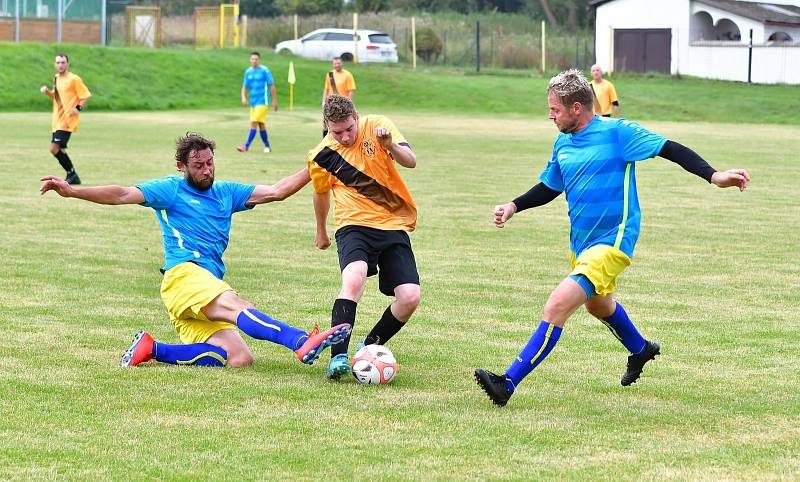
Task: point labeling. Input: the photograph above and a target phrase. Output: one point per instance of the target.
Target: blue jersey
(595, 168)
(257, 81)
(195, 225)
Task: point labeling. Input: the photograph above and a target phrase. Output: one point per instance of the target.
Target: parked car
(327, 43)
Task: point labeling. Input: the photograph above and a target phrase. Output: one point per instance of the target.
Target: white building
(702, 38)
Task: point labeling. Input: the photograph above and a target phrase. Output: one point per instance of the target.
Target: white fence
(772, 64)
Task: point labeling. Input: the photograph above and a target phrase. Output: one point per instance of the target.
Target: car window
(339, 36)
(316, 36)
(380, 38)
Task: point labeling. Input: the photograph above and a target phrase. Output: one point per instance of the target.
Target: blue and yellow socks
(623, 328)
(260, 326)
(539, 346)
(200, 354)
(250, 137)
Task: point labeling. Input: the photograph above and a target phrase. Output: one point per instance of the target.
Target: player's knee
(54, 148)
(240, 359)
(409, 297)
(556, 308)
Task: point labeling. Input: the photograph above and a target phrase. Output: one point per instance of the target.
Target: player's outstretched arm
(692, 162)
(538, 195)
(322, 204)
(281, 189)
(113, 195)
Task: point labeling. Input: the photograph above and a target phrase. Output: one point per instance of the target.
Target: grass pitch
(714, 281)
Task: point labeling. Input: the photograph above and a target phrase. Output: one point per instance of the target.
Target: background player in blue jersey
(195, 213)
(593, 163)
(259, 83)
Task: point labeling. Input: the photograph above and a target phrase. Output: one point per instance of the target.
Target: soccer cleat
(338, 367)
(493, 385)
(266, 150)
(141, 350)
(636, 363)
(72, 177)
(317, 342)
(242, 148)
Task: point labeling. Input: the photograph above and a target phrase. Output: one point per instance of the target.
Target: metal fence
(78, 21)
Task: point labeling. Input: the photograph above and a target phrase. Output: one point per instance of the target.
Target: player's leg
(562, 303)
(354, 280)
(144, 348)
(262, 130)
(252, 133)
(398, 276)
(58, 146)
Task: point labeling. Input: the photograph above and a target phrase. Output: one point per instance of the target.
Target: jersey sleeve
(244, 80)
(351, 83)
(81, 91)
(159, 193)
(239, 194)
(321, 180)
(268, 77)
(636, 142)
(612, 93)
(551, 176)
(397, 137)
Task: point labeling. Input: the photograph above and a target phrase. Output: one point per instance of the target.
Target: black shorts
(387, 253)
(61, 138)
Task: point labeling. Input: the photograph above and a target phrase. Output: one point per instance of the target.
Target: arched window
(728, 30)
(780, 37)
(702, 27)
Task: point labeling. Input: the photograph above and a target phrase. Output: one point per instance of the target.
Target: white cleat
(266, 149)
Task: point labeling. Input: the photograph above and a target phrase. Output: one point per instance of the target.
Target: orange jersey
(69, 89)
(367, 189)
(605, 94)
(344, 82)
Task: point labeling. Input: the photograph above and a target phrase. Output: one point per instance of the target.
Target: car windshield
(380, 38)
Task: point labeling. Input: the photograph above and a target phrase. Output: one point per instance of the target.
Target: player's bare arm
(113, 195)
(244, 96)
(273, 92)
(403, 155)
(281, 190)
(322, 205)
(46, 91)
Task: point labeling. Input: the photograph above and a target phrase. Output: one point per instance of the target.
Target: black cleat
(493, 385)
(72, 177)
(636, 363)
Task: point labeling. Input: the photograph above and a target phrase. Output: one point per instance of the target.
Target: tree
(308, 7)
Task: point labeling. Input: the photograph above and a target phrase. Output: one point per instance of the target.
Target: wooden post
(355, 37)
(295, 26)
(544, 48)
(413, 43)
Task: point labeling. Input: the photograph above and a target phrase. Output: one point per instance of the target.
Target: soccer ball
(373, 365)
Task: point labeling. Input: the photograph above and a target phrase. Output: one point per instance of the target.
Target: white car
(327, 43)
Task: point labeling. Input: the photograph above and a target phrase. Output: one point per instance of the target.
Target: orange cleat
(317, 342)
(141, 350)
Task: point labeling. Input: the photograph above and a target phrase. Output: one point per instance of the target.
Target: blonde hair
(338, 108)
(571, 86)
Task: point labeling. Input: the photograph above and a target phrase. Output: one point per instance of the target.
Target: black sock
(64, 160)
(344, 311)
(387, 327)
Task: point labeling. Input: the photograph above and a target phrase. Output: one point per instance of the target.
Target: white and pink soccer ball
(373, 365)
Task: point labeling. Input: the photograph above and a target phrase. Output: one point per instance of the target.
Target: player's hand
(55, 183)
(384, 136)
(323, 241)
(503, 212)
(73, 111)
(44, 90)
(730, 178)
(275, 107)
(244, 101)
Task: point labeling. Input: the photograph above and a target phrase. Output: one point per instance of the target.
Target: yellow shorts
(185, 289)
(259, 113)
(601, 264)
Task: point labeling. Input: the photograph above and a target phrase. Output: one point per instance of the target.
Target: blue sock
(541, 343)
(622, 327)
(200, 354)
(262, 327)
(250, 137)
(264, 137)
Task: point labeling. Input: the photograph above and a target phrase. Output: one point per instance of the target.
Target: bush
(429, 45)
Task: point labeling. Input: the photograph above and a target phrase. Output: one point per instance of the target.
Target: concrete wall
(44, 30)
(721, 60)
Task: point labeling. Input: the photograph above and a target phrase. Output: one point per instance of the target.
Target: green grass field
(714, 281)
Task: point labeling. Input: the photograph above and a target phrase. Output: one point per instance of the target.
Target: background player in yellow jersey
(70, 96)
(373, 213)
(337, 81)
(605, 95)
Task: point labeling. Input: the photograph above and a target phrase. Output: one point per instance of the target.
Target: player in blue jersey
(195, 212)
(593, 164)
(259, 83)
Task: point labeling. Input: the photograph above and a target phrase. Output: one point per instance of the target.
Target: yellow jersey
(367, 189)
(344, 82)
(68, 90)
(605, 94)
